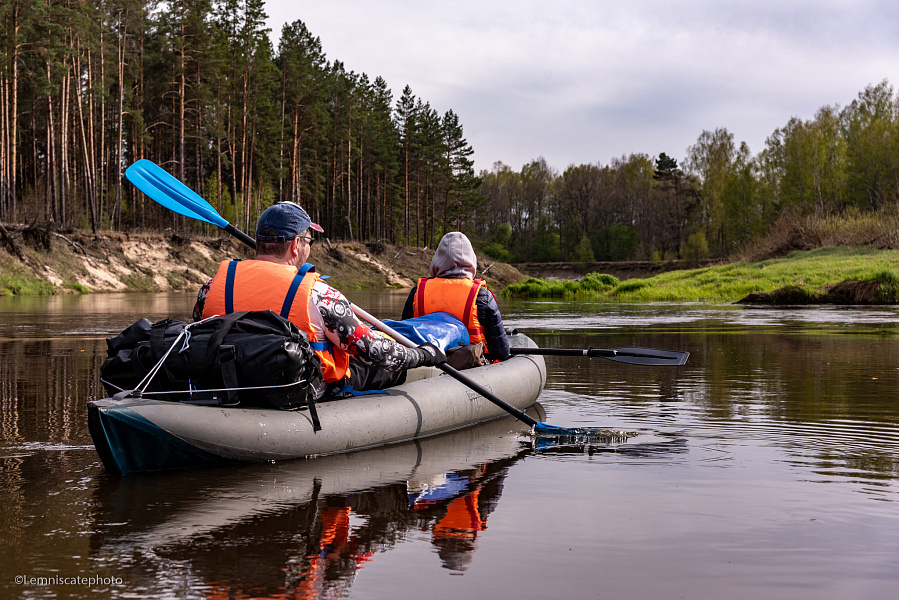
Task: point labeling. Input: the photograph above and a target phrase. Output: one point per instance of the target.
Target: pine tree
(304, 116)
(406, 124)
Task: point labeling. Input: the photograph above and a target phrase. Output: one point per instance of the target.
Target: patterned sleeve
(344, 329)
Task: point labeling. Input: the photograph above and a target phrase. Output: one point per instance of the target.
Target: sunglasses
(307, 238)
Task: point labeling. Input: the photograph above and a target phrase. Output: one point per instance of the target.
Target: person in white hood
(453, 288)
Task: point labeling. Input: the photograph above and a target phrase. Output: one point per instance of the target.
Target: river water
(766, 467)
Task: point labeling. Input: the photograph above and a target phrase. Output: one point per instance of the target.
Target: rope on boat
(140, 387)
(197, 390)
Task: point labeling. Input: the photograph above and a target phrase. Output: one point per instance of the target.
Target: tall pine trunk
(296, 164)
(89, 196)
(4, 145)
(91, 162)
(349, 178)
(101, 172)
(14, 114)
(182, 91)
(52, 183)
(120, 59)
(65, 119)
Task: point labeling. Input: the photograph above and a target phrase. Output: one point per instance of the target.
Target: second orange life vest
(455, 296)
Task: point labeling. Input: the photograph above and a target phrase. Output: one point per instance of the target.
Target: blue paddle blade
(546, 428)
(171, 193)
(551, 435)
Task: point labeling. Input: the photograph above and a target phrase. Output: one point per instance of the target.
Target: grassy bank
(17, 279)
(842, 275)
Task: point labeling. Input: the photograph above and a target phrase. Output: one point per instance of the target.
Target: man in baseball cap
(284, 221)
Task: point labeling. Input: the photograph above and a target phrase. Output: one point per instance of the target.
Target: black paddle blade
(633, 356)
(646, 356)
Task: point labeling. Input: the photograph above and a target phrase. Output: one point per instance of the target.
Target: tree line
(88, 87)
(720, 200)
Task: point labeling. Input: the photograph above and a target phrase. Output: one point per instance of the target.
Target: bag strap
(215, 341)
(348, 389)
(157, 338)
(228, 361)
(158, 347)
(313, 413)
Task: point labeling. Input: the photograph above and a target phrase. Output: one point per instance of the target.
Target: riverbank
(839, 275)
(79, 262)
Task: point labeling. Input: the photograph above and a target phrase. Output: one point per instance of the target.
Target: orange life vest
(262, 285)
(462, 519)
(455, 296)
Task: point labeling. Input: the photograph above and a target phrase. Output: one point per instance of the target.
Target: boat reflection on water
(304, 528)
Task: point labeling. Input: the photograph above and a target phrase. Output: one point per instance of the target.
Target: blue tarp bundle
(440, 328)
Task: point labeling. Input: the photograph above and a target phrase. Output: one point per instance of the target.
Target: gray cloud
(582, 82)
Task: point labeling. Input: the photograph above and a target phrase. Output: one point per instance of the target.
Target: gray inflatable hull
(136, 435)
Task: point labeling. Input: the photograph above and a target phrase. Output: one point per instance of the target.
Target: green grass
(803, 272)
(16, 280)
(888, 284)
(14, 285)
(140, 282)
(591, 284)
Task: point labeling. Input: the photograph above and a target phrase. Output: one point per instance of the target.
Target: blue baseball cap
(287, 219)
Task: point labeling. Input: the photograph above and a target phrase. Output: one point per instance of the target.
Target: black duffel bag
(250, 358)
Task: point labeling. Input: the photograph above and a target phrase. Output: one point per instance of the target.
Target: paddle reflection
(303, 529)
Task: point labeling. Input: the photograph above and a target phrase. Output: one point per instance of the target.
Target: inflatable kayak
(138, 434)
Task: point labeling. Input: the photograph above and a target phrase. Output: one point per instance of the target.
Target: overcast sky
(585, 82)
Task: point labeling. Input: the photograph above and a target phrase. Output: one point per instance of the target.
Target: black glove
(431, 355)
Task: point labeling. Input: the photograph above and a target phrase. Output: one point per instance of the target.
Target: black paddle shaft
(240, 235)
(518, 414)
(634, 356)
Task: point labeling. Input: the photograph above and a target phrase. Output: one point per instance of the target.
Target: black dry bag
(249, 358)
